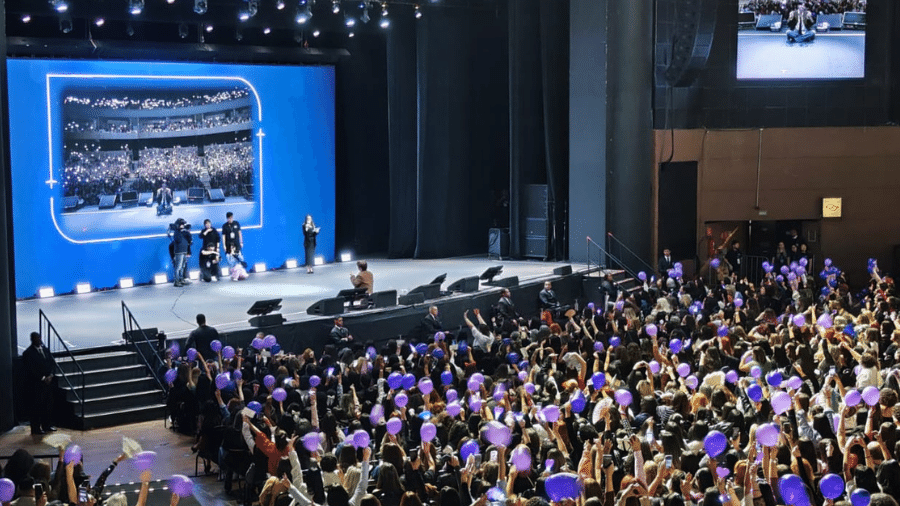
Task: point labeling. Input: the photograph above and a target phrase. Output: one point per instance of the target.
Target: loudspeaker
(267, 320)
(216, 195)
(196, 195)
(70, 203)
(565, 270)
(692, 40)
(536, 202)
(431, 291)
(510, 282)
(410, 299)
(536, 227)
(536, 247)
(464, 285)
(498, 242)
(261, 307)
(107, 201)
(766, 21)
(384, 299)
(128, 199)
(327, 306)
(137, 336)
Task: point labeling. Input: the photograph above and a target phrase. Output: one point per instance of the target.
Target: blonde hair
(351, 479)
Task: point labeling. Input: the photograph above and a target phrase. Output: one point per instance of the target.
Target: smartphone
(478, 459)
(330, 372)
(494, 456)
(38, 490)
(832, 371)
(607, 460)
(668, 462)
(548, 465)
(82, 495)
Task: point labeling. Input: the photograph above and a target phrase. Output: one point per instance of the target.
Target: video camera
(180, 222)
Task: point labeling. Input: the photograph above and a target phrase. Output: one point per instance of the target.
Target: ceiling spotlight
(99, 22)
(351, 35)
(350, 22)
(418, 12)
(65, 24)
(60, 5)
(209, 28)
(182, 30)
(385, 22)
(170, 2)
(26, 18)
(335, 6)
(304, 15)
(316, 32)
(279, 5)
(243, 15)
(136, 7)
(267, 30)
(200, 6)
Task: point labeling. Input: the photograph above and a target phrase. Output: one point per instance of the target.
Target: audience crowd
(155, 102)
(817, 7)
(776, 391)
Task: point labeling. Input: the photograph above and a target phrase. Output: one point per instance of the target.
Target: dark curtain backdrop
(539, 114)
(362, 214)
(8, 342)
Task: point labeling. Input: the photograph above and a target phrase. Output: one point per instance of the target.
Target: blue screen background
(298, 160)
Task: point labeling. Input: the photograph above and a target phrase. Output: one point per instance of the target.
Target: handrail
(649, 267)
(129, 324)
(609, 255)
(44, 323)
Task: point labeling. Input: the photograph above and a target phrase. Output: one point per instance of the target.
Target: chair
(211, 442)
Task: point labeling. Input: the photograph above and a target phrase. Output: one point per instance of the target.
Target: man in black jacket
(432, 322)
(39, 366)
(202, 337)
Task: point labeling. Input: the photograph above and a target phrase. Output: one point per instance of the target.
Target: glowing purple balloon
(792, 490)
(722, 330)
(825, 321)
(257, 343)
(754, 392)
(615, 341)
(781, 402)
(394, 426)
(7, 489)
(578, 403)
(551, 413)
(228, 352)
(675, 345)
(799, 320)
(478, 377)
(774, 378)
(428, 432)
(715, 443)
(361, 439)
(623, 397)
(170, 376)
(181, 485)
(715, 263)
(642, 276)
(446, 377)
(871, 395)
(255, 406)
(756, 371)
(426, 386)
(238, 375)
(452, 395)
(222, 380)
(860, 497)
(314, 381)
(692, 382)
(395, 380)
(561, 486)
(279, 394)
(269, 341)
(311, 441)
(191, 354)
(767, 434)
(654, 367)
(499, 393)
(794, 382)
(439, 336)
(144, 460)
(409, 381)
(832, 486)
(521, 458)
(828, 262)
(497, 434)
(523, 375)
(470, 447)
(216, 346)
(738, 303)
(731, 376)
(598, 379)
(473, 385)
(175, 349)
(651, 330)
(454, 409)
(269, 381)
(683, 369)
(529, 387)
(475, 403)
(400, 400)
(853, 398)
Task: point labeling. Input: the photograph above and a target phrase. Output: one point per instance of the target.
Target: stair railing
(607, 259)
(48, 333)
(612, 240)
(139, 336)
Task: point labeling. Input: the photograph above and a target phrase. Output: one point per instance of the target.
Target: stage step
(124, 416)
(109, 389)
(96, 361)
(120, 402)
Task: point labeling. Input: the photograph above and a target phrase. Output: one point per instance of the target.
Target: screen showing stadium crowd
(816, 7)
(152, 103)
(91, 172)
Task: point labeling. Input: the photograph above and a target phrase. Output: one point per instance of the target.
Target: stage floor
(95, 319)
(767, 55)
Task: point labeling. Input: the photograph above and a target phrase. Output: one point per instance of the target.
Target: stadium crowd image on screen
(131, 156)
(817, 39)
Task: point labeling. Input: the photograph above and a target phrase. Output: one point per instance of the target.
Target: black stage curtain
(361, 157)
(539, 114)
(8, 341)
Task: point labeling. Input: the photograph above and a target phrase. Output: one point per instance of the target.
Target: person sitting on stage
(209, 262)
(364, 278)
(340, 335)
(164, 200)
(801, 23)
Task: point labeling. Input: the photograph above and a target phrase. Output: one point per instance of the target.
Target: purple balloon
(228, 352)
(279, 394)
(731, 376)
(400, 400)
(269, 341)
(409, 381)
(144, 460)
(623, 397)
(614, 341)
(394, 426)
(754, 392)
(756, 371)
(692, 382)
(7, 489)
(799, 320)
(255, 406)
(395, 380)
(475, 403)
(315, 381)
(871, 395)
(191, 354)
(642, 276)
(361, 439)
(437, 353)
(794, 382)
(832, 486)
(447, 377)
(473, 385)
(860, 497)
(774, 378)
(497, 434)
(257, 343)
(715, 443)
(598, 346)
(170, 376)
(470, 447)
(216, 345)
(598, 379)
(175, 349)
(181, 485)
(654, 367)
(523, 375)
(767, 434)
(439, 336)
(426, 386)
(311, 441)
(738, 303)
(521, 458)
(478, 377)
(561, 486)
(792, 490)
(715, 263)
(376, 415)
(551, 413)
(499, 392)
(222, 380)
(853, 398)
(781, 402)
(620, 305)
(238, 375)
(529, 387)
(269, 381)
(825, 321)
(578, 402)
(828, 262)
(722, 472)
(428, 432)
(722, 330)
(683, 369)
(675, 345)
(452, 395)
(454, 409)
(651, 330)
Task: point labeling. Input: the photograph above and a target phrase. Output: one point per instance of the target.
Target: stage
(832, 55)
(95, 319)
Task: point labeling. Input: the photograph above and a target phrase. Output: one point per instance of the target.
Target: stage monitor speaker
(510, 282)
(430, 291)
(107, 201)
(439, 280)
(327, 306)
(536, 247)
(137, 336)
(498, 242)
(216, 195)
(128, 199)
(261, 307)
(766, 21)
(196, 195)
(464, 285)
(384, 299)
(835, 22)
(411, 299)
(746, 20)
(70, 203)
(565, 270)
(145, 199)
(692, 40)
(267, 320)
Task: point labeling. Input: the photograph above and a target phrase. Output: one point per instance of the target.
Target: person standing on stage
(234, 240)
(39, 365)
(181, 249)
(364, 279)
(209, 235)
(310, 231)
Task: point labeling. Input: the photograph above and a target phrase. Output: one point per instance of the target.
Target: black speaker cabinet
(565, 270)
(267, 320)
(464, 285)
(384, 299)
(327, 306)
(411, 299)
(498, 242)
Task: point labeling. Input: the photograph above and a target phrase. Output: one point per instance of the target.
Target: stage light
(418, 12)
(209, 28)
(291, 263)
(336, 6)
(194, 274)
(304, 15)
(350, 22)
(267, 30)
(346, 256)
(259, 267)
(316, 32)
(385, 22)
(60, 5)
(84, 287)
(200, 6)
(65, 24)
(279, 5)
(320, 260)
(182, 30)
(26, 18)
(225, 271)
(244, 15)
(351, 35)
(99, 22)
(45, 292)
(126, 283)
(160, 278)
(136, 7)
(170, 2)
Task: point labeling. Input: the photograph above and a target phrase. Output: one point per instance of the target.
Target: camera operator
(180, 234)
